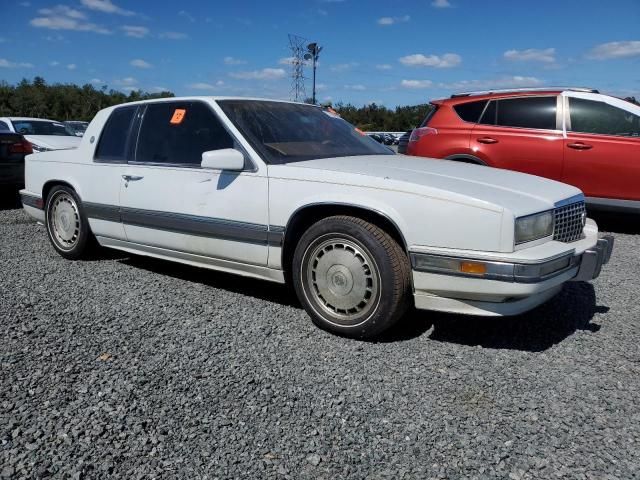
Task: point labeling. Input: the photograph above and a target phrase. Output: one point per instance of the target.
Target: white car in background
(285, 191)
(43, 134)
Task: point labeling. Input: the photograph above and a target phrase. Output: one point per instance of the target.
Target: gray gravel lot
(126, 367)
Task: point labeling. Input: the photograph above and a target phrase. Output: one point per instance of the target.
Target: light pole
(314, 52)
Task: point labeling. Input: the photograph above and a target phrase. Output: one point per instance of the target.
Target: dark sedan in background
(13, 149)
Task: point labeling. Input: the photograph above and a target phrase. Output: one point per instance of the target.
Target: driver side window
(177, 133)
(588, 116)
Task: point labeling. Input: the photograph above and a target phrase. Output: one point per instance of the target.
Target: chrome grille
(569, 222)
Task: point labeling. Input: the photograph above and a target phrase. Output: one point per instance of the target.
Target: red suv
(576, 136)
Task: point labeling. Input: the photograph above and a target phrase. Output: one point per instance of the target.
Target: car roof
(28, 119)
(211, 98)
(507, 93)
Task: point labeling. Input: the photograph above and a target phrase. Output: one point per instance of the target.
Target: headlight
(533, 227)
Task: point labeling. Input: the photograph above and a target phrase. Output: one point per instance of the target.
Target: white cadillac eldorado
(289, 192)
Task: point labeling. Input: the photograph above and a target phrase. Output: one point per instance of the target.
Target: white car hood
(485, 187)
(54, 142)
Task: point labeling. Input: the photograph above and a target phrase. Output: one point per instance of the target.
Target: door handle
(487, 140)
(131, 178)
(579, 146)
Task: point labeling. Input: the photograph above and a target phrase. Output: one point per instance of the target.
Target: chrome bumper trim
(588, 265)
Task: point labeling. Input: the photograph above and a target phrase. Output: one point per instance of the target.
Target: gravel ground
(126, 367)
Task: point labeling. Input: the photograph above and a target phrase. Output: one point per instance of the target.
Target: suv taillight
(418, 133)
(21, 147)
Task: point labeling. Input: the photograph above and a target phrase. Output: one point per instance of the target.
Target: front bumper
(505, 286)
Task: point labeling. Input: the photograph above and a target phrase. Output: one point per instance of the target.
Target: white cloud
(384, 66)
(384, 21)
(546, 55)
(187, 15)
(63, 10)
(201, 86)
(126, 82)
(606, 51)
(72, 66)
(440, 4)
(135, 31)
(54, 63)
(264, 74)
(106, 6)
(173, 35)
(140, 63)
(358, 87)
(24, 4)
(342, 67)
(62, 17)
(514, 81)
(4, 63)
(96, 81)
(416, 84)
(447, 60)
(234, 61)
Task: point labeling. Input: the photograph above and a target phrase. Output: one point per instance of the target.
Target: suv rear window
(430, 114)
(524, 112)
(470, 111)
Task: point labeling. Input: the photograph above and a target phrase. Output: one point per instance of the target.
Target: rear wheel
(351, 276)
(67, 225)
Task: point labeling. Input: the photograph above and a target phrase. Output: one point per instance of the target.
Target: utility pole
(296, 44)
(313, 54)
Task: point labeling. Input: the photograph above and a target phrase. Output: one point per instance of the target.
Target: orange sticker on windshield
(178, 116)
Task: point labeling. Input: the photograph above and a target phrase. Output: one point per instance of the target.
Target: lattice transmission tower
(298, 47)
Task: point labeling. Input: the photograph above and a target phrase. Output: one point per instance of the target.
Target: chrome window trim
(499, 99)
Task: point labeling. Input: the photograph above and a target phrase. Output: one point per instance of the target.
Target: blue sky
(394, 52)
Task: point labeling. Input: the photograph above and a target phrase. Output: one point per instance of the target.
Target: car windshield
(293, 132)
(40, 127)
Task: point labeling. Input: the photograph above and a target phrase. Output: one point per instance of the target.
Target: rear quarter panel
(452, 137)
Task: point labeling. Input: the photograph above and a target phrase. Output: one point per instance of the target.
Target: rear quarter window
(113, 143)
(470, 111)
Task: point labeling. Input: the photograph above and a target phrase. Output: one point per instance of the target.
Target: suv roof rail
(534, 89)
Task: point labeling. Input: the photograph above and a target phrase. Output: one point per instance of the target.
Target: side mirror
(225, 159)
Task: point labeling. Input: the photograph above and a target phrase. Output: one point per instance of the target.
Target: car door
(169, 202)
(602, 147)
(522, 134)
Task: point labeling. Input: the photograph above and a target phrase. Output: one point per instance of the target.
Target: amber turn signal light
(476, 268)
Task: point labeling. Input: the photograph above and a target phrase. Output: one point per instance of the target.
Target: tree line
(64, 101)
(60, 101)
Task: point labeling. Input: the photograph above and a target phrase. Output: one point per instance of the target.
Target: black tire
(351, 276)
(68, 231)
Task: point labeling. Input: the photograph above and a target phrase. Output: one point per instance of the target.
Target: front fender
(421, 220)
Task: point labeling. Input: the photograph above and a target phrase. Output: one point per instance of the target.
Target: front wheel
(351, 276)
(67, 225)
